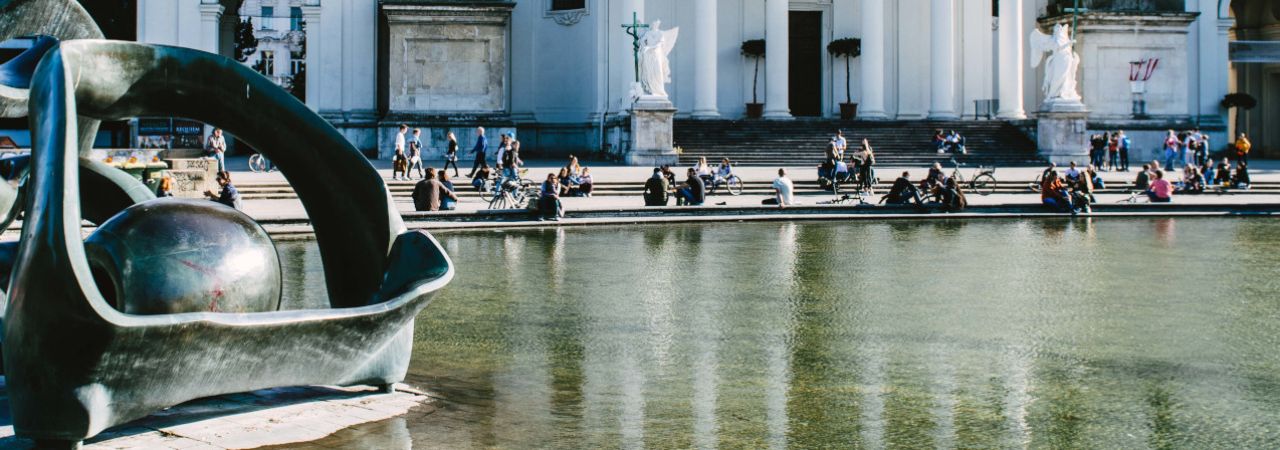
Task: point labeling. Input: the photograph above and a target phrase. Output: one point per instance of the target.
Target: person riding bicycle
(724, 171)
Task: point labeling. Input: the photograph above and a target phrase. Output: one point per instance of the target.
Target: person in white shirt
(400, 165)
(783, 189)
(841, 144)
(217, 147)
(1189, 149)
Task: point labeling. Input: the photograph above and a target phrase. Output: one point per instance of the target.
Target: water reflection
(871, 335)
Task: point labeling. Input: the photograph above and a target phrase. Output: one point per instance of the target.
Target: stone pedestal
(652, 133)
(193, 176)
(1062, 135)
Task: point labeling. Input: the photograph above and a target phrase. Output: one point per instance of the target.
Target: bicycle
(513, 194)
(260, 164)
(1136, 197)
(983, 182)
(732, 183)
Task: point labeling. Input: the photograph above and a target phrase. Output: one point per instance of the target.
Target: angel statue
(655, 68)
(1060, 66)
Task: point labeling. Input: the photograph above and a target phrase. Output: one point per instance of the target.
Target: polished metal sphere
(170, 256)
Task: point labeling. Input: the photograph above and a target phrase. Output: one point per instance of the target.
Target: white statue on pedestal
(1060, 66)
(655, 68)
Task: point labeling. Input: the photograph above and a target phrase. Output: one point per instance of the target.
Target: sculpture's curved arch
(77, 366)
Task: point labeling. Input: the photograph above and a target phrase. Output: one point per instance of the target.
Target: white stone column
(873, 44)
(1011, 61)
(1214, 64)
(210, 25)
(942, 60)
(705, 68)
(777, 23)
(311, 19)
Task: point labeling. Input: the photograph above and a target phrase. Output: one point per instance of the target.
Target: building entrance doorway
(806, 63)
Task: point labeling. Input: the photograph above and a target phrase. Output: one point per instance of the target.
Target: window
(568, 5)
(267, 63)
(267, 14)
(297, 62)
(295, 18)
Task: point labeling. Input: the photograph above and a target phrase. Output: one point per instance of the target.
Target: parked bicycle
(715, 181)
(983, 181)
(513, 193)
(260, 164)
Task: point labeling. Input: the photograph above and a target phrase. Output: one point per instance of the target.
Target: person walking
(216, 147)
(1189, 144)
(1123, 143)
(399, 165)
(504, 144)
(1170, 150)
(481, 148)
(1242, 148)
(451, 154)
(511, 161)
(415, 153)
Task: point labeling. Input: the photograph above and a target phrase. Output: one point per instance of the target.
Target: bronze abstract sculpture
(77, 365)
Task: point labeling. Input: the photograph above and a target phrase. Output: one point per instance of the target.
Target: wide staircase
(802, 142)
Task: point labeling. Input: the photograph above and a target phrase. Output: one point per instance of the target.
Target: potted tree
(847, 48)
(754, 49)
(1239, 100)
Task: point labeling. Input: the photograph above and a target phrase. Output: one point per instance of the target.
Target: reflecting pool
(983, 334)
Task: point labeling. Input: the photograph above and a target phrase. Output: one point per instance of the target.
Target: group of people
(1110, 151)
(408, 154)
(936, 187)
(1072, 190)
(1196, 179)
(575, 180)
(859, 168)
(949, 142)
(1188, 148)
(661, 186)
(435, 192)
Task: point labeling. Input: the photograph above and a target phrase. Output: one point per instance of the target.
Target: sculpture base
(193, 176)
(652, 132)
(1062, 136)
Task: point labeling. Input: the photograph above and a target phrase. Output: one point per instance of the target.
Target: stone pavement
(282, 209)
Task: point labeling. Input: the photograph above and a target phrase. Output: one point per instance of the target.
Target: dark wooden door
(806, 63)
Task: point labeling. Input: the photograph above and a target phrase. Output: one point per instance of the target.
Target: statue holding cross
(652, 49)
(633, 30)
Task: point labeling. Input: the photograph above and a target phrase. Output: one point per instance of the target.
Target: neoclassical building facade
(557, 72)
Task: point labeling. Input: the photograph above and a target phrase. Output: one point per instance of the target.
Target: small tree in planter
(754, 49)
(1239, 100)
(847, 48)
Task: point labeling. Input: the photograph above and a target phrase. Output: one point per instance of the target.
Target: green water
(986, 334)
